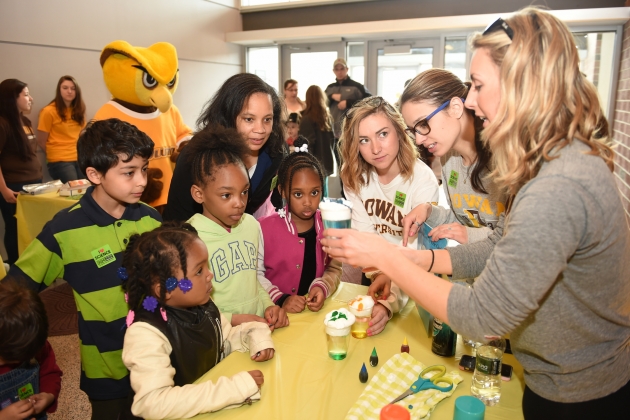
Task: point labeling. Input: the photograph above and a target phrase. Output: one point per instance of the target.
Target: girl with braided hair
(300, 267)
(176, 332)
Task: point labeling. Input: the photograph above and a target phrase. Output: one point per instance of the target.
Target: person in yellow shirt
(60, 123)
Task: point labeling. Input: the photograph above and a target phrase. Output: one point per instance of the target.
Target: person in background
(248, 104)
(19, 164)
(24, 328)
(316, 126)
(60, 123)
(557, 276)
(291, 100)
(384, 180)
(291, 238)
(293, 128)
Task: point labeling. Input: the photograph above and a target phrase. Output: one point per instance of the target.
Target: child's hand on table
(41, 401)
(380, 317)
(263, 355)
(316, 299)
(294, 304)
(257, 376)
(276, 317)
(18, 411)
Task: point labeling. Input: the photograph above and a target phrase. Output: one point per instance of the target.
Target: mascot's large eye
(172, 82)
(148, 81)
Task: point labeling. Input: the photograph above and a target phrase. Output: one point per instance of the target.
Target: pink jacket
(283, 253)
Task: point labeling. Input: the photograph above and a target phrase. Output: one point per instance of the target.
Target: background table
(302, 382)
(34, 211)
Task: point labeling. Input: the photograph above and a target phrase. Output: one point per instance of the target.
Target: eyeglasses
(374, 101)
(422, 127)
(497, 25)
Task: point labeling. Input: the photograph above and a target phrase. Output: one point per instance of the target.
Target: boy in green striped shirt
(83, 244)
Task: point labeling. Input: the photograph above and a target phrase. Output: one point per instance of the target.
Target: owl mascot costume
(142, 82)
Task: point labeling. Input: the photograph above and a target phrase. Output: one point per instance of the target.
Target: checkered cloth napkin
(394, 378)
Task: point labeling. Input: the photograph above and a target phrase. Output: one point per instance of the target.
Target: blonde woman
(384, 180)
(559, 279)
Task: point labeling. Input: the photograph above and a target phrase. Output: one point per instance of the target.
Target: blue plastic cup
(468, 408)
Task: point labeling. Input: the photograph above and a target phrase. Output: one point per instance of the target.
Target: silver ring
(419, 224)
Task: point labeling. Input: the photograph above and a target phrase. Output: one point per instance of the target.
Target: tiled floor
(73, 403)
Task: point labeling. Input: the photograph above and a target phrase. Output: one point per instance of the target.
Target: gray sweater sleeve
(545, 227)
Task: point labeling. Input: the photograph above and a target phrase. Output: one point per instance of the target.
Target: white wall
(41, 40)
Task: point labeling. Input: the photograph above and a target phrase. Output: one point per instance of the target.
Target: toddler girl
(176, 333)
(294, 262)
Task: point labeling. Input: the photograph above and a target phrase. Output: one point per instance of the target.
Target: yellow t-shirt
(166, 130)
(61, 145)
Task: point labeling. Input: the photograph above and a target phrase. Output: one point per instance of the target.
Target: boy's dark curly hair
(23, 322)
(153, 257)
(212, 148)
(294, 162)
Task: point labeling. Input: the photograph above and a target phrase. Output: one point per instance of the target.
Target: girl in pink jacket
(292, 263)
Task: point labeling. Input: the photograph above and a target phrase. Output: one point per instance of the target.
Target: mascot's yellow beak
(141, 76)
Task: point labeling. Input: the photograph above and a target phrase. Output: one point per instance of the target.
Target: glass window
(395, 69)
(455, 56)
(263, 62)
(313, 68)
(356, 61)
(596, 57)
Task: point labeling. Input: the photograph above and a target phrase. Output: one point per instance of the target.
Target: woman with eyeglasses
(384, 179)
(558, 280)
(432, 106)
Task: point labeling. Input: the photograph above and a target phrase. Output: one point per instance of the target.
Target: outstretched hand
(380, 287)
(360, 249)
(453, 231)
(412, 221)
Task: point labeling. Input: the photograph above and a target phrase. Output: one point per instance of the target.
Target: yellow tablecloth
(302, 382)
(33, 211)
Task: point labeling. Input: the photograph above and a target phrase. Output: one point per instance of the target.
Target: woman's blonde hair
(354, 167)
(545, 101)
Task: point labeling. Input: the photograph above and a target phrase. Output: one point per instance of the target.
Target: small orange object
(394, 412)
(360, 306)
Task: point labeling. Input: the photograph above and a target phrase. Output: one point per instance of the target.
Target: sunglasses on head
(499, 25)
(373, 101)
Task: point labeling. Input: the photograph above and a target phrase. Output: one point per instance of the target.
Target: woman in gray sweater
(556, 273)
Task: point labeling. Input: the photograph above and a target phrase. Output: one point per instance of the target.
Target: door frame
(287, 49)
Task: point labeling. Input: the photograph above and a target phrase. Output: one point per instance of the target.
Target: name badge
(26, 391)
(103, 256)
(400, 198)
(452, 180)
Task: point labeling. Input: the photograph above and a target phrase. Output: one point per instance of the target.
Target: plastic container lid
(468, 408)
(394, 412)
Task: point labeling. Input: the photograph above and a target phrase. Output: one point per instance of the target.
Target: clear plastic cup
(337, 341)
(362, 315)
(336, 213)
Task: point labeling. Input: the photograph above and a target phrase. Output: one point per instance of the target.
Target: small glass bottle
(444, 339)
(486, 382)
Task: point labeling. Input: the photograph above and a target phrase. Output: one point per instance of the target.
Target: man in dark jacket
(343, 94)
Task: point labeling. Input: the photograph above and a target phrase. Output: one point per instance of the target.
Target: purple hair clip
(122, 273)
(184, 284)
(150, 303)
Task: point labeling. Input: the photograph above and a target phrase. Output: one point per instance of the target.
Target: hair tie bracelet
(432, 260)
(302, 148)
(184, 284)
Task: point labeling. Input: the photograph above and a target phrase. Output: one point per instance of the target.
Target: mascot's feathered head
(141, 76)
